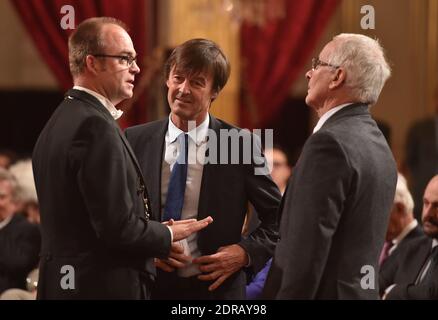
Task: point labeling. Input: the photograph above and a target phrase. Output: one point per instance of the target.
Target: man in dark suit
(402, 228)
(415, 273)
(20, 240)
(213, 184)
(98, 241)
(336, 207)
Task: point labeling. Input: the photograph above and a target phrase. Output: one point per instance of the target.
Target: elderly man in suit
(212, 267)
(20, 241)
(415, 273)
(336, 208)
(402, 228)
(98, 237)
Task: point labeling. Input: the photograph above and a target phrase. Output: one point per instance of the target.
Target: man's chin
(430, 230)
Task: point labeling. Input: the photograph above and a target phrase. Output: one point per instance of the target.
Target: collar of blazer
(93, 102)
(352, 110)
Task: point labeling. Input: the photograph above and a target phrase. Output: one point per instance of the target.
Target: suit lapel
(154, 152)
(208, 173)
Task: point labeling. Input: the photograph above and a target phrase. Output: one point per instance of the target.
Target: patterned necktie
(385, 251)
(177, 182)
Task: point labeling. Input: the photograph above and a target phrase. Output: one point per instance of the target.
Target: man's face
(281, 171)
(395, 226)
(190, 96)
(430, 209)
(7, 204)
(319, 80)
(115, 77)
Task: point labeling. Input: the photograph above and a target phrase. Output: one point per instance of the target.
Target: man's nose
(134, 67)
(184, 88)
(309, 74)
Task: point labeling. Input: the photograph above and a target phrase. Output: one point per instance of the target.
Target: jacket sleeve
(264, 195)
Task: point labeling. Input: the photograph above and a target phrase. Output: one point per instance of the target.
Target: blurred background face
(430, 209)
(395, 226)
(281, 170)
(7, 203)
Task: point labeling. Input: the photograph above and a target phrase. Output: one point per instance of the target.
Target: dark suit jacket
(389, 262)
(226, 190)
(20, 243)
(421, 158)
(92, 215)
(335, 211)
(405, 271)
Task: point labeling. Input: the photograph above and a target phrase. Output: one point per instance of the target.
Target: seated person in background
(22, 170)
(415, 273)
(402, 228)
(281, 170)
(19, 240)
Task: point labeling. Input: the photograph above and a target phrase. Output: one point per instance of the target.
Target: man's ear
(338, 79)
(214, 96)
(90, 64)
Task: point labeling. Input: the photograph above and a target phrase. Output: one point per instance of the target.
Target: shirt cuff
(171, 234)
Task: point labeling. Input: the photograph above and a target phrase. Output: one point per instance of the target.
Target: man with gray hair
(19, 240)
(336, 208)
(402, 228)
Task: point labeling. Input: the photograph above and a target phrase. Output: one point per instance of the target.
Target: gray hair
(402, 194)
(364, 60)
(6, 175)
(22, 170)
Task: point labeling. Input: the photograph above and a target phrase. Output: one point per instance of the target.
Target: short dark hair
(200, 55)
(87, 39)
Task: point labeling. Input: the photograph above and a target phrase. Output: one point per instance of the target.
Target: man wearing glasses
(98, 241)
(336, 208)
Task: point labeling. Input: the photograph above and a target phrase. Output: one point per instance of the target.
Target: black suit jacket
(20, 243)
(335, 212)
(391, 260)
(226, 190)
(405, 271)
(92, 215)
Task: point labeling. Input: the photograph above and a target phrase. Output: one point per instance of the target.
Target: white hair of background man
(22, 170)
(402, 194)
(364, 60)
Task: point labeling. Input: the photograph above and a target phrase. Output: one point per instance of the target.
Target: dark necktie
(385, 251)
(429, 267)
(177, 182)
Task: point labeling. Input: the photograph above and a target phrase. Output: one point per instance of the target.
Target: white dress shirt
(328, 114)
(115, 113)
(5, 222)
(197, 147)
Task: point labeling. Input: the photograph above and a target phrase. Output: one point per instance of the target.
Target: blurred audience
(7, 158)
(422, 155)
(19, 240)
(415, 273)
(281, 170)
(22, 170)
(402, 228)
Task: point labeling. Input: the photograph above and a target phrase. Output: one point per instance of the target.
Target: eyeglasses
(126, 60)
(316, 63)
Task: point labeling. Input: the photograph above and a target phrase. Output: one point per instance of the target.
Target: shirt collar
(328, 114)
(434, 243)
(6, 221)
(115, 113)
(198, 134)
(405, 231)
